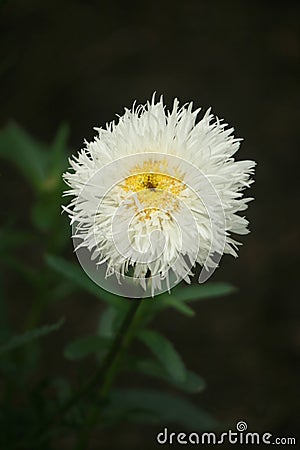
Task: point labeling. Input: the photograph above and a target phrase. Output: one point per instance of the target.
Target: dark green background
(83, 62)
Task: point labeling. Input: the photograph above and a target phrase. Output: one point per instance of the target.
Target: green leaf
(24, 152)
(107, 320)
(53, 185)
(85, 346)
(157, 407)
(163, 301)
(165, 353)
(192, 384)
(169, 300)
(76, 274)
(29, 336)
(151, 307)
(42, 166)
(203, 291)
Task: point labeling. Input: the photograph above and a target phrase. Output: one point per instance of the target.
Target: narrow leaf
(106, 324)
(76, 274)
(165, 353)
(203, 291)
(29, 336)
(192, 384)
(24, 152)
(158, 407)
(175, 303)
(85, 346)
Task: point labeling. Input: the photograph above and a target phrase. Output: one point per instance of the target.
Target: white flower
(157, 193)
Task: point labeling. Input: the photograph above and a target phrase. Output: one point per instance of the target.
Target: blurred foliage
(34, 417)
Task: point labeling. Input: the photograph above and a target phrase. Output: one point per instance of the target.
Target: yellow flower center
(154, 190)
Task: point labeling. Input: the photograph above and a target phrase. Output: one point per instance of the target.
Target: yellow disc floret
(153, 189)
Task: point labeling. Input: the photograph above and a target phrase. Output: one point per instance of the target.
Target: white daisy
(156, 193)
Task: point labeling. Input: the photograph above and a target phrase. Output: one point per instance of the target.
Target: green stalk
(119, 347)
(103, 377)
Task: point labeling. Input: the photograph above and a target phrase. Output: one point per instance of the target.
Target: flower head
(156, 193)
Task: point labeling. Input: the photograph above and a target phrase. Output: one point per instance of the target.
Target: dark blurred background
(84, 61)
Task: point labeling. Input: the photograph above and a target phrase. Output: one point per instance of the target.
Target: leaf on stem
(192, 384)
(86, 346)
(165, 353)
(76, 275)
(203, 291)
(170, 301)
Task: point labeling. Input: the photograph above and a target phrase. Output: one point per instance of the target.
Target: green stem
(106, 373)
(104, 376)
(121, 343)
(119, 347)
